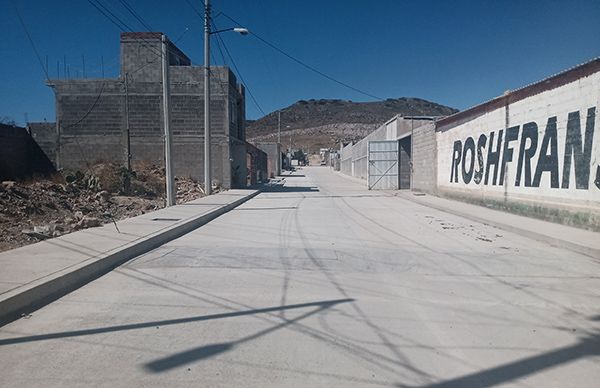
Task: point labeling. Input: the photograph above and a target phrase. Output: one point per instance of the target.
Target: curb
(555, 242)
(37, 294)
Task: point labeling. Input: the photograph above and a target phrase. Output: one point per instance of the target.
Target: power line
(194, 8)
(135, 14)
(221, 51)
(309, 67)
(37, 54)
(107, 13)
(219, 38)
(100, 7)
(89, 110)
(239, 73)
(242, 77)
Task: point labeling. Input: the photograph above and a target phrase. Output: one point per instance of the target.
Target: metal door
(383, 165)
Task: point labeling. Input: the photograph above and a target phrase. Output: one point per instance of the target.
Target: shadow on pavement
(207, 351)
(588, 346)
(134, 326)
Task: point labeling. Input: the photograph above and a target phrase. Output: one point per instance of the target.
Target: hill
(324, 123)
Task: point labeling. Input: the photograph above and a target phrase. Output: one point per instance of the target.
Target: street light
(207, 34)
(240, 30)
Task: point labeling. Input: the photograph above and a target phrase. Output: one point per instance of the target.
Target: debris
(88, 222)
(40, 209)
(8, 185)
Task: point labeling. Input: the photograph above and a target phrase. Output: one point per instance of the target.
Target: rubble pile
(35, 210)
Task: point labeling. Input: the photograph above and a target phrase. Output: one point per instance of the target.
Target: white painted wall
(559, 102)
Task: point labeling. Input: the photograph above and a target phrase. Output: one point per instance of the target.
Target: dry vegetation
(37, 209)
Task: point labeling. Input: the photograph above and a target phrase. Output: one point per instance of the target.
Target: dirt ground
(37, 209)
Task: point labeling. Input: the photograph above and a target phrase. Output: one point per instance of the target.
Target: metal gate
(383, 165)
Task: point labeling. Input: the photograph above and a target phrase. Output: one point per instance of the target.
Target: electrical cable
(219, 38)
(37, 54)
(119, 23)
(240, 74)
(309, 67)
(135, 14)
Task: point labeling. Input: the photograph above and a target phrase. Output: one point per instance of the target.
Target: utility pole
(207, 170)
(170, 181)
(278, 126)
(127, 181)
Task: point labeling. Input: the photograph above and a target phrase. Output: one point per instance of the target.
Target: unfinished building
(96, 119)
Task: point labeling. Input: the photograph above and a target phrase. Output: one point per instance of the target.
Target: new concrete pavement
(320, 282)
(36, 274)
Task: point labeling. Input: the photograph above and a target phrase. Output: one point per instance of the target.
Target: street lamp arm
(243, 31)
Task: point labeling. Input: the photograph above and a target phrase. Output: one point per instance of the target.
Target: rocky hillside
(324, 123)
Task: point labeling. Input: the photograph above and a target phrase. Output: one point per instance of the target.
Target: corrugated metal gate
(383, 165)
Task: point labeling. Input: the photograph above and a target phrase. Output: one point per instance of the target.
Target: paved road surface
(322, 283)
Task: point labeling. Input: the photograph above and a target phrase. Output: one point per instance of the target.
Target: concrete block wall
(92, 120)
(258, 166)
(44, 134)
(539, 145)
(424, 163)
(273, 151)
(20, 155)
(141, 55)
(89, 122)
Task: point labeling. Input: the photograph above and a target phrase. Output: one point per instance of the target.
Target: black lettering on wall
(548, 162)
(456, 154)
(480, 145)
(467, 175)
(573, 150)
(493, 157)
(530, 131)
(512, 134)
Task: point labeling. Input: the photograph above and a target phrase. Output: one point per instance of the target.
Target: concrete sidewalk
(34, 275)
(563, 236)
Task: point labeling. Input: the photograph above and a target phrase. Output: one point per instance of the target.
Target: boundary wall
(534, 150)
(354, 156)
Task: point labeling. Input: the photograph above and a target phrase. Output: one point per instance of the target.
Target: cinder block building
(96, 117)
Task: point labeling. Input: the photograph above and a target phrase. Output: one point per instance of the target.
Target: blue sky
(457, 53)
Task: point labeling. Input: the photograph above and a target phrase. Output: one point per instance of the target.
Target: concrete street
(320, 282)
